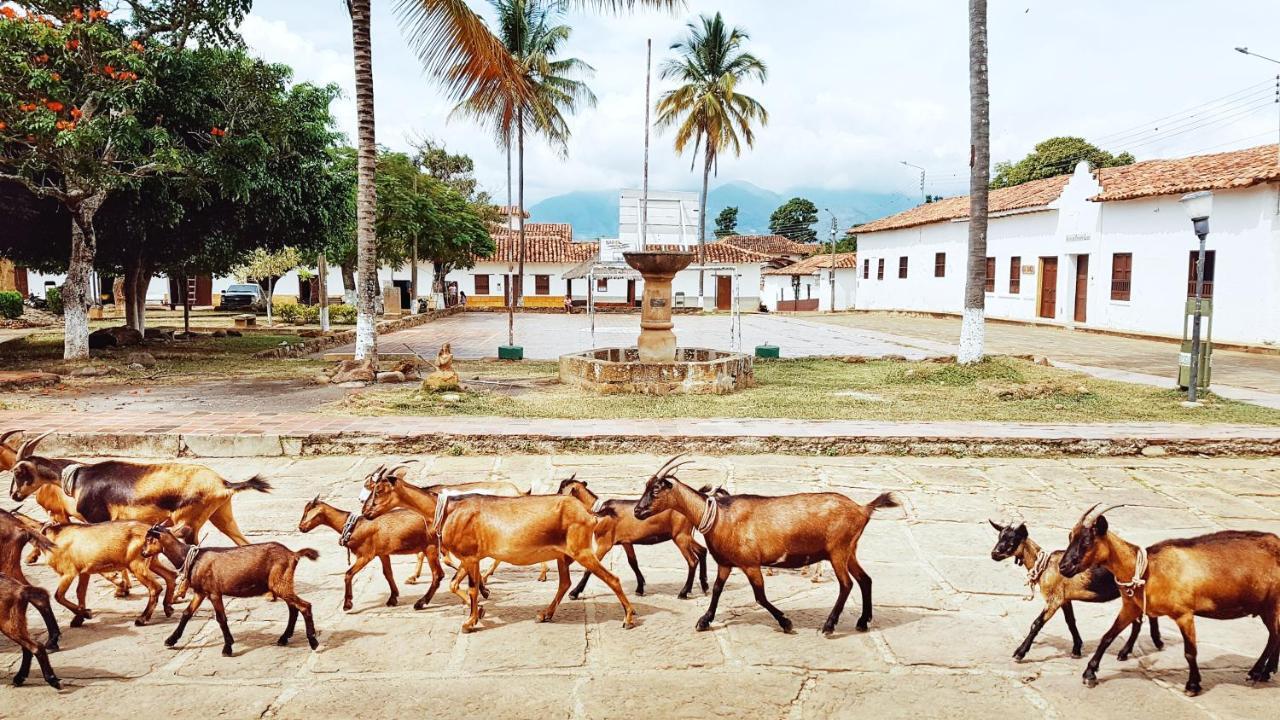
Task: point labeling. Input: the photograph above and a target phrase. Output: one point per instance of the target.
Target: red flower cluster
(3, 126)
(73, 44)
(75, 113)
(98, 15)
(217, 132)
(62, 125)
(40, 59)
(137, 46)
(54, 105)
(8, 12)
(28, 107)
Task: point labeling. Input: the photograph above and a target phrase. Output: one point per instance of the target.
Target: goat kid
(521, 530)
(402, 532)
(240, 571)
(189, 495)
(620, 523)
(14, 598)
(751, 531)
(14, 535)
(81, 550)
(1097, 585)
(1223, 575)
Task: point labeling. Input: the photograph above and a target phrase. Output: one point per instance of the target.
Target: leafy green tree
(848, 243)
(266, 266)
(707, 109)
(795, 219)
(1056, 156)
(727, 222)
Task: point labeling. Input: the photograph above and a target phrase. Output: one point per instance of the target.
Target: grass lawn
(1000, 389)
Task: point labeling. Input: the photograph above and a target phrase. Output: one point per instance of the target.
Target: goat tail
(883, 500)
(38, 540)
(254, 483)
(308, 553)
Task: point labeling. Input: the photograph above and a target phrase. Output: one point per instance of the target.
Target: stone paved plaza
(947, 618)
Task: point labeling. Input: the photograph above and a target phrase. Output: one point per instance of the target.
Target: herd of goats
(114, 518)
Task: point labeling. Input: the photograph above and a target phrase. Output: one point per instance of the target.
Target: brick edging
(346, 337)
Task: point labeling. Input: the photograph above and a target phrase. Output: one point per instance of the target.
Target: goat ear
(995, 525)
(1100, 525)
(165, 523)
(1021, 532)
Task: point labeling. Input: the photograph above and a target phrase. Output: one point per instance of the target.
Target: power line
(1254, 87)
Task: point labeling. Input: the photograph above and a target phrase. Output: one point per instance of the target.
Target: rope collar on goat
(348, 527)
(598, 506)
(709, 516)
(1131, 587)
(188, 564)
(437, 520)
(1034, 572)
(68, 479)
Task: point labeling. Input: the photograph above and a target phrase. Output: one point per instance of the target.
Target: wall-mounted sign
(1078, 236)
(1028, 269)
(657, 302)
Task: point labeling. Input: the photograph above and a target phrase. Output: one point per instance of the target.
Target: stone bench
(246, 321)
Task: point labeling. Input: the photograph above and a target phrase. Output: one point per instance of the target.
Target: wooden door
(631, 292)
(1048, 287)
(1082, 288)
(20, 281)
(724, 292)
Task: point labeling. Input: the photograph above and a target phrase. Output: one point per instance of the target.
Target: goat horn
(6, 435)
(677, 466)
(1087, 513)
(393, 470)
(662, 470)
(1104, 512)
(24, 452)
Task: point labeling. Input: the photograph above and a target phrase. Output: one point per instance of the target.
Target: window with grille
(602, 285)
(990, 276)
(1122, 276)
(541, 284)
(1209, 258)
(940, 264)
(866, 269)
(482, 284)
(1015, 275)
(880, 269)
(902, 267)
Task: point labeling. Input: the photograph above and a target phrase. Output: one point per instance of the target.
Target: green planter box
(767, 351)
(510, 352)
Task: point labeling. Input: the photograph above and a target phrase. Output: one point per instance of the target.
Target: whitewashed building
(1109, 249)
(806, 285)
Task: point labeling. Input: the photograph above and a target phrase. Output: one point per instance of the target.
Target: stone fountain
(655, 365)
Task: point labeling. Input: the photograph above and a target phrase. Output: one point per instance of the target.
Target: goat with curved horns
(751, 531)
(1223, 575)
(60, 506)
(619, 522)
(522, 530)
(1095, 586)
(189, 495)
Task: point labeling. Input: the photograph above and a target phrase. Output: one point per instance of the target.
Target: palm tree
(706, 108)
(972, 328)
(549, 91)
(366, 192)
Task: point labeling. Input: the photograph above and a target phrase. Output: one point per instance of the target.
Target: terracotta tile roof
(543, 243)
(1036, 193)
(769, 244)
(718, 252)
(815, 263)
(1220, 171)
(510, 211)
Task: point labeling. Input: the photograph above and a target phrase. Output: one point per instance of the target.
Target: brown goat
(240, 571)
(621, 524)
(14, 598)
(1223, 575)
(1094, 586)
(751, 531)
(517, 530)
(14, 535)
(81, 550)
(402, 532)
(189, 495)
(119, 579)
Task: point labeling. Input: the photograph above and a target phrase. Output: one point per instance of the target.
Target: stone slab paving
(946, 617)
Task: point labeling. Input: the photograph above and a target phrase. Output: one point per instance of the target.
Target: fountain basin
(695, 371)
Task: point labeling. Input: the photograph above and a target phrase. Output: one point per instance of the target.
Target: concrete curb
(223, 445)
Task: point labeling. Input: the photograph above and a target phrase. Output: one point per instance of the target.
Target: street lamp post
(1198, 206)
(833, 259)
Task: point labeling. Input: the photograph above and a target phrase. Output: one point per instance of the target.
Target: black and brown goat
(523, 530)
(1223, 575)
(620, 523)
(240, 571)
(14, 598)
(14, 535)
(402, 532)
(753, 531)
(80, 550)
(189, 495)
(1096, 585)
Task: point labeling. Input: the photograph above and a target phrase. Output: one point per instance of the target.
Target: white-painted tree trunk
(972, 336)
(972, 328)
(367, 291)
(322, 273)
(75, 292)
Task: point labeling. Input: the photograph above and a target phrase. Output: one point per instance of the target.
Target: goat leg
(308, 622)
(840, 568)
(289, 626)
(472, 568)
(756, 578)
(170, 578)
(562, 586)
(864, 585)
(1128, 613)
(702, 566)
(196, 599)
(694, 556)
(1127, 650)
(148, 581)
(41, 603)
(24, 668)
(220, 613)
(582, 584)
(417, 571)
(356, 567)
(1077, 643)
(1187, 624)
(1155, 632)
(1259, 672)
(635, 567)
(722, 574)
(391, 580)
(589, 561)
(46, 670)
(437, 574)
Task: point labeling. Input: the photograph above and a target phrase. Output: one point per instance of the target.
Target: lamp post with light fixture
(1198, 206)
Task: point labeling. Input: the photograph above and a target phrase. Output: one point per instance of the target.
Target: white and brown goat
(618, 521)
(754, 531)
(189, 495)
(1223, 575)
(523, 530)
(1096, 585)
(402, 532)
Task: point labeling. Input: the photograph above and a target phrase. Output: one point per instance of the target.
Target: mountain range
(594, 213)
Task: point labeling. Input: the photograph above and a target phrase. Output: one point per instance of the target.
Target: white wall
(779, 287)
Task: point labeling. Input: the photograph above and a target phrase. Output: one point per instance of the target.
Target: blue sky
(855, 86)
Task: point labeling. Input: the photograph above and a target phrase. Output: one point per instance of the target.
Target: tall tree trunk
(75, 292)
(348, 277)
(322, 277)
(413, 280)
(972, 328)
(136, 280)
(519, 289)
(508, 143)
(702, 227)
(366, 197)
(139, 300)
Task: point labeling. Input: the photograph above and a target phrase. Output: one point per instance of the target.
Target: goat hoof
(393, 601)
(419, 605)
(682, 596)
(1192, 689)
(314, 643)
(283, 641)
(545, 617)
(861, 626)
(484, 592)
(1121, 656)
(139, 622)
(1159, 644)
(786, 627)
(122, 593)
(412, 579)
(77, 621)
(640, 590)
(170, 641)
(168, 611)
(628, 624)
(18, 680)
(1090, 681)
(468, 628)
(52, 645)
(703, 625)
(226, 651)
(54, 682)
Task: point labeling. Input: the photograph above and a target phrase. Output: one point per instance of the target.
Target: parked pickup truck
(244, 297)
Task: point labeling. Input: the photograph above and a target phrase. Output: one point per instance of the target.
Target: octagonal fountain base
(696, 371)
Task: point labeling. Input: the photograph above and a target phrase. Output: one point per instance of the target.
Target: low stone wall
(346, 337)
(696, 371)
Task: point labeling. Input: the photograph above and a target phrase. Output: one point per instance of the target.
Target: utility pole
(1246, 51)
(917, 167)
(644, 192)
(833, 260)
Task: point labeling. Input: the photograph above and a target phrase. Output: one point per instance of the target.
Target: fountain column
(657, 343)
